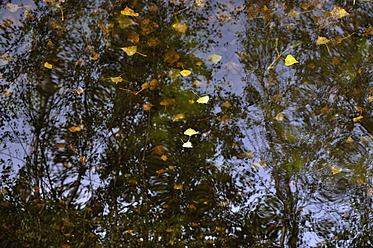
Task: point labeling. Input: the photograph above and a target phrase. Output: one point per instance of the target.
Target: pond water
(186, 123)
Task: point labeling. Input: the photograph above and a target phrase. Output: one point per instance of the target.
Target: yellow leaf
(290, 60)
(338, 13)
(185, 73)
(170, 167)
(4, 191)
(117, 79)
(227, 104)
(191, 101)
(169, 230)
(335, 170)
(147, 106)
(180, 27)
(82, 159)
(74, 129)
(47, 65)
(371, 99)
(178, 186)
(130, 50)
(178, 117)
(249, 154)
(160, 171)
(358, 118)
(321, 40)
(280, 117)
(129, 12)
(204, 99)
(188, 145)
(349, 139)
(79, 90)
(215, 58)
(164, 157)
(190, 132)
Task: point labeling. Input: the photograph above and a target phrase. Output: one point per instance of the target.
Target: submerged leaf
(290, 60)
(129, 12)
(338, 13)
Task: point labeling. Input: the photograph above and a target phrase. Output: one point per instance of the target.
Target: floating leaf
(129, 12)
(280, 117)
(12, 7)
(159, 150)
(321, 40)
(338, 13)
(74, 129)
(79, 90)
(170, 167)
(164, 157)
(185, 73)
(130, 50)
(117, 79)
(204, 99)
(96, 56)
(169, 230)
(47, 65)
(290, 60)
(61, 145)
(349, 140)
(227, 104)
(180, 27)
(160, 171)
(358, 118)
(147, 106)
(167, 102)
(215, 58)
(190, 132)
(370, 99)
(188, 145)
(335, 170)
(7, 92)
(82, 159)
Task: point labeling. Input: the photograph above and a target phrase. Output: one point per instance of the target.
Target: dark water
(93, 151)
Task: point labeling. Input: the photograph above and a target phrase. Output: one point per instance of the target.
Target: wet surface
(186, 123)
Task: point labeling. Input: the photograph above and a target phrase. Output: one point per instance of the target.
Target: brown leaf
(171, 56)
(106, 28)
(159, 149)
(167, 102)
(153, 7)
(152, 42)
(368, 31)
(60, 145)
(133, 37)
(147, 106)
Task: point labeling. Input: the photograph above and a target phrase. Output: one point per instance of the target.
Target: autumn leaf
(338, 13)
(159, 150)
(190, 132)
(178, 186)
(215, 58)
(178, 117)
(227, 104)
(164, 157)
(125, 22)
(290, 60)
(188, 145)
(171, 56)
(185, 73)
(117, 79)
(60, 145)
(12, 7)
(321, 40)
(358, 118)
(204, 99)
(129, 12)
(74, 129)
(335, 170)
(47, 65)
(160, 171)
(349, 140)
(280, 117)
(130, 50)
(170, 167)
(169, 230)
(82, 159)
(147, 106)
(79, 90)
(167, 102)
(180, 27)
